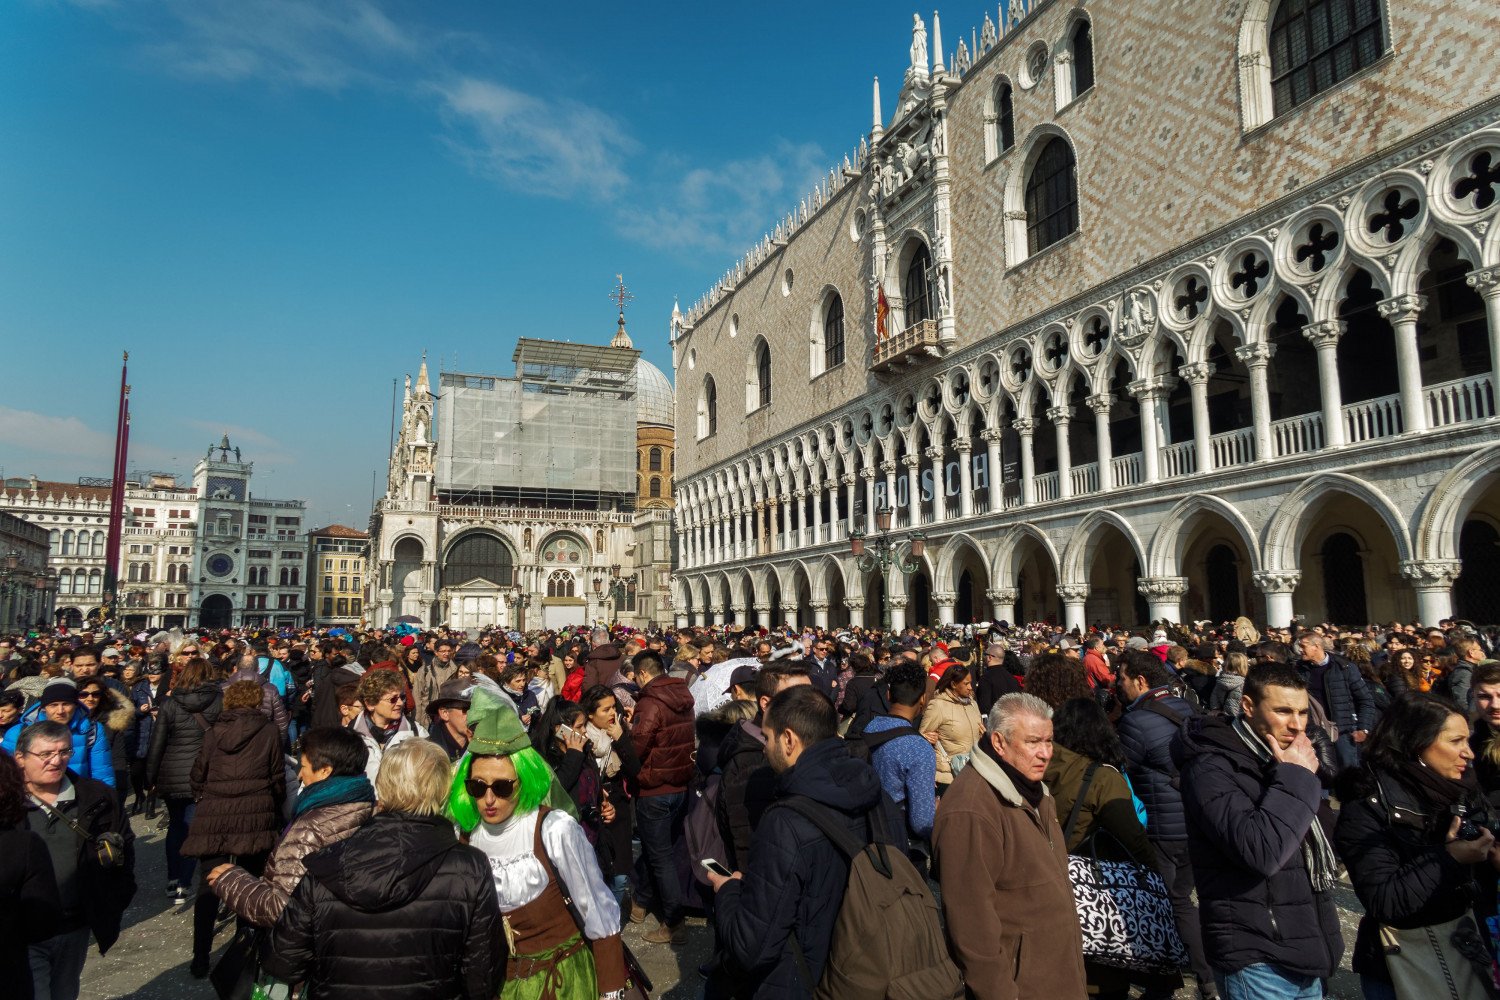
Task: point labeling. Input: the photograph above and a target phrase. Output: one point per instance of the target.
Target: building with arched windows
(1146, 309)
(541, 499)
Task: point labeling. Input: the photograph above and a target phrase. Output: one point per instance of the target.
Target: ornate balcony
(910, 346)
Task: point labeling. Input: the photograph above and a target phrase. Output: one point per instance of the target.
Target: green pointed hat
(497, 730)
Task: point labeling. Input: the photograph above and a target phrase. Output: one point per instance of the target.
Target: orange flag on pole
(882, 311)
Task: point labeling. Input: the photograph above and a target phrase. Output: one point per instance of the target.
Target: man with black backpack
(1154, 715)
(905, 759)
(783, 922)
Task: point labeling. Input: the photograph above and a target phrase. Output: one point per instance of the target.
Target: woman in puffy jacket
(951, 723)
(185, 715)
(238, 781)
(1416, 859)
(399, 908)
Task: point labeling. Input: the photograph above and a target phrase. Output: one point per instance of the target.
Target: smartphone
(711, 865)
(563, 732)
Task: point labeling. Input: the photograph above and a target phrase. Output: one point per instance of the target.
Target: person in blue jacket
(59, 703)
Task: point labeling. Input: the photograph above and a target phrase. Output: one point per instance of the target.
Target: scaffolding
(560, 434)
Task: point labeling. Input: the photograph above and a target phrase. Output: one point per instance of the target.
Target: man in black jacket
(68, 812)
(1264, 868)
(794, 882)
(748, 784)
(1341, 690)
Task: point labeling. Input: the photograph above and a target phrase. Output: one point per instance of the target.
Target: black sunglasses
(504, 788)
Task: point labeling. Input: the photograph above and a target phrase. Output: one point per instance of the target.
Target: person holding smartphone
(564, 745)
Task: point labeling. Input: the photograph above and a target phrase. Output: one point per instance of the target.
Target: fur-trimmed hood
(120, 714)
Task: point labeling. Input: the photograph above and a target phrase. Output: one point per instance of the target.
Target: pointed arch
(1078, 556)
(1448, 505)
(1004, 568)
(1284, 531)
(951, 550)
(1167, 544)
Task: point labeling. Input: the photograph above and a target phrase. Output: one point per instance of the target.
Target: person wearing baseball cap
(742, 683)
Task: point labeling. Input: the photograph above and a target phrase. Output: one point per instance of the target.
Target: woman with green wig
(510, 806)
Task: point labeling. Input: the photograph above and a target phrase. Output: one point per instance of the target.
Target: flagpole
(117, 496)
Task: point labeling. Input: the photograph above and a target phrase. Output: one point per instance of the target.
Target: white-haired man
(1004, 866)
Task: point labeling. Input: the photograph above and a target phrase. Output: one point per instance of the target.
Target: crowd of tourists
(992, 811)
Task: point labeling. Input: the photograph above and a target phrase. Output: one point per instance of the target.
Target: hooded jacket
(91, 747)
(399, 909)
(795, 878)
(1246, 820)
(663, 733)
(1146, 736)
(239, 781)
(271, 704)
(746, 787)
(603, 663)
(177, 737)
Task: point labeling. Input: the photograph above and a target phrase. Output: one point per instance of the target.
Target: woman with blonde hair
(399, 907)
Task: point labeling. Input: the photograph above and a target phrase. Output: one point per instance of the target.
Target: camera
(1471, 825)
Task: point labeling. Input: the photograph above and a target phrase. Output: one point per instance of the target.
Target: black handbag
(108, 848)
(235, 976)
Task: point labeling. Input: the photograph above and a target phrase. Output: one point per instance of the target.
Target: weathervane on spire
(620, 296)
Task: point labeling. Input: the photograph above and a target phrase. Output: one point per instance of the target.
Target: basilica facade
(1128, 311)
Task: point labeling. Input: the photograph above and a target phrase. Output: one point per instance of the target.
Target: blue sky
(277, 205)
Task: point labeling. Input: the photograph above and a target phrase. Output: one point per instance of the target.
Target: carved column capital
(896, 603)
(1325, 333)
(855, 603)
(1485, 281)
(1431, 573)
(1403, 308)
(888, 466)
(932, 454)
(848, 479)
(1002, 595)
(1024, 426)
(944, 598)
(819, 606)
(990, 434)
(1100, 402)
(1161, 588)
(1059, 414)
(1197, 373)
(911, 461)
(1276, 581)
(1256, 355)
(1073, 593)
(963, 445)
(867, 473)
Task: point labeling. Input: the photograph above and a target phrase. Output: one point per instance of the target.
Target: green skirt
(563, 973)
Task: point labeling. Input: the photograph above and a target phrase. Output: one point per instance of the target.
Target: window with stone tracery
(561, 584)
(1051, 196)
(833, 333)
(1317, 43)
(916, 286)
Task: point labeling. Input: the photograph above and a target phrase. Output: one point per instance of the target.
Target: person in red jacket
(664, 739)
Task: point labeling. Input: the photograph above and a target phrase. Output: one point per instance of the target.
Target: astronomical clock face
(219, 565)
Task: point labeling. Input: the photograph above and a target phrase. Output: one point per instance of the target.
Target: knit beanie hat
(59, 689)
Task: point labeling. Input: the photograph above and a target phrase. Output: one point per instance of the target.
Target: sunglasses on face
(88, 696)
(503, 788)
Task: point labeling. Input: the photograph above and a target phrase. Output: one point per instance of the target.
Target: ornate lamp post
(886, 553)
(612, 591)
(519, 600)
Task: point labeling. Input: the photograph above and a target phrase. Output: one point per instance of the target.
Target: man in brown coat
(1004, 866)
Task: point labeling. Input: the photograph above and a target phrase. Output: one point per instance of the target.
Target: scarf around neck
(335, 791)
(1030, 791)
(1317, 852)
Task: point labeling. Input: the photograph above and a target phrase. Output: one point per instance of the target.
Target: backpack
(700, 828)
(887, 941)
(862, 744)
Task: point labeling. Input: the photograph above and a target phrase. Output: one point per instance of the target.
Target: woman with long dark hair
(1416, 837)
(951, 723)
(563, 742)
(618, 763)
(186, 714)
(1087, 774)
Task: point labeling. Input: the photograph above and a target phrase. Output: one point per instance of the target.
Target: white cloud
(554, 147)
(63, 436)
(724, 209)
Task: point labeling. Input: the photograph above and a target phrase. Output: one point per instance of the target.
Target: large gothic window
(1051, 196)
(478, 556)
(833, 333)
(1317, 43)
(561, 584)
(708, 409)
(763, 373)
(916, 287)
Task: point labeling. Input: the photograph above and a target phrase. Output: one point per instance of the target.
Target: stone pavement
(151, 958)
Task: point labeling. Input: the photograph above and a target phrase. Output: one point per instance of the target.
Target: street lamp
(519, 601)
(613, 591)
(886, 553)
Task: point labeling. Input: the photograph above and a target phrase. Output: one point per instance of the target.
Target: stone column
(1075, 599)
(1060, 417)
(898, 612)
(820, 614)
(1100, 403)
(719, 616)
(1325, 337)
(738, 610)
(747, 514)
(939, 501)
(1003, 602)
(800, 521)
(945, 601)
(763, 615)
(1164, 596)
(1278, 586)
(850, 481)
(964, 447)
(815, 494)
(991, 436)
(1147, 392)
(1026, 426)
(734, 527)
(681, 619)
(1432, 579)
(1257, 359)
(856, 612)
(1486, 281)
(1196, 376)
(784, 536)
(889, 468)
(913, 490)
(1403, 311)
(868, 475)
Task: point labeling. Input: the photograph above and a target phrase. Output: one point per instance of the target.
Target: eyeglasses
(394, 699)
(51, 755)
(88, 696)
(503, 788)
